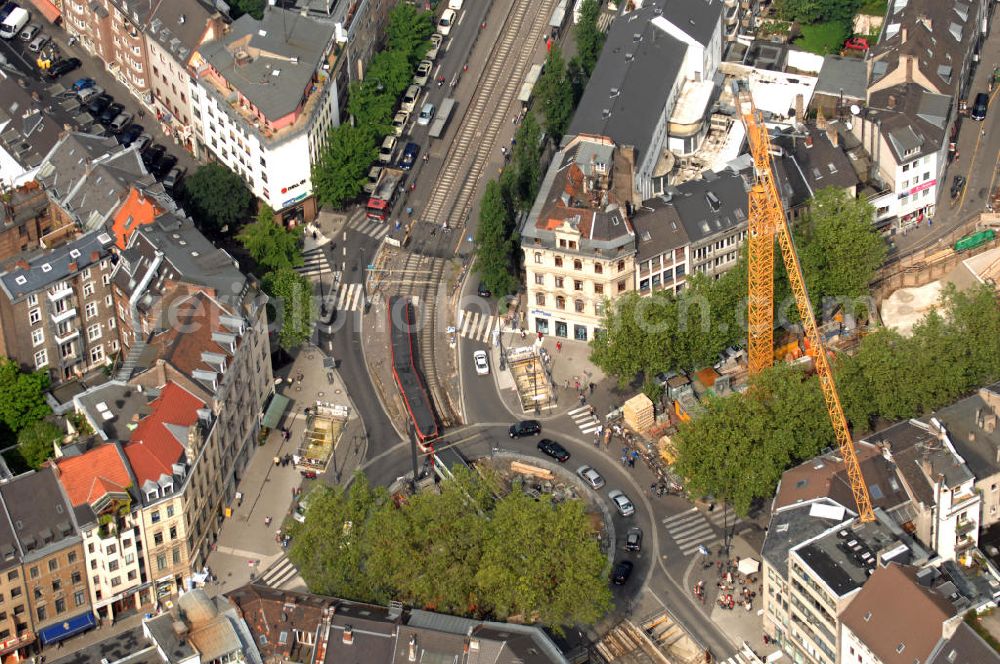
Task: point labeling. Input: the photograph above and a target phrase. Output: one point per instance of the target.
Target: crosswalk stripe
(693, 536)
(686, 521)
(280, 572)
(590, 429)
(676, 517)
(476, 325)
(581, 409)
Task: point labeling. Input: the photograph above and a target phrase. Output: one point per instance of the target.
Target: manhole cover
(319, 394)
(310, 356)
(336, 391)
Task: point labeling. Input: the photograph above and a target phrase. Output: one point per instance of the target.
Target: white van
(410, 98)
(386, 151)
(14, 22)
(446, 21)
(455, 4)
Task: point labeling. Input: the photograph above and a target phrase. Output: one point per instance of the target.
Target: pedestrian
(583, 400)
(539, 336)
(577, 384)
(624, 460)
(631, 462)
(567, 383)
(523, 334)
(592, 387)
(142, 113)
(558, 346)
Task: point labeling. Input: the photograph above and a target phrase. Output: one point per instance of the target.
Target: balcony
(66, 314)
(68, 336)
(966, 526)
(964, 542)
(56, 295)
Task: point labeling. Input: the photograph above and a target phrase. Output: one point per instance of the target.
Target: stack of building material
(638, 413)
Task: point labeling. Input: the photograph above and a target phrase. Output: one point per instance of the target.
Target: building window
(539, 279)
(155, 516)
(107, 301)
(599, 268)
(71, 558)
(60, 605)
(53, 565)
(161, 562)
(113, 566)
(41, 613)
(33, 572)
(94, 332)
(12, 575)
(540, 299)
(578, 304)
(559, 282)
(88, 289)
(76, 577)
(177, 556)
(157, 539)
(115, 582)
(37, 337)
(33, 300)
(621, 266)
(78, 598)
(173, 532)
(558, 261)
(170, 513)
(621, 286)
(577, 284)
(35, 316)
(577, 264)
(599, 289)
(560, 302)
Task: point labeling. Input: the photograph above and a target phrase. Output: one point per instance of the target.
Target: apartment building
(52, 561)
(918, 73)
(17, 632)
(663, 256)
(817, 557)
(652, 86)
(176, 28)
(26, 222)
(264, 98)
(112, 30)
(102, 490)
(578, 241)
(56, 309)
(27, 133)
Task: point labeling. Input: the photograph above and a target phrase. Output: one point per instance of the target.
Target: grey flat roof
(842, 74)
(286, 49)
(643, 71)
(790, 527)
(979, 448)
(698, 18)
(49, 267)
(131, 647)
(121, 400)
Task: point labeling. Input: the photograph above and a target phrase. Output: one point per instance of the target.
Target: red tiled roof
(153, 449)
(182, 344)
(138, 210)
(89, 477)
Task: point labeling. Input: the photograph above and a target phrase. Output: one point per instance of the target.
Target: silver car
(590, 476)
(622, 503)
(38, 43)
(28, 32)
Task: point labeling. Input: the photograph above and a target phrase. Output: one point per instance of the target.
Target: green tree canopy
(523, 173)
(23, 393)
(495, 244)
(269, 243)
(340, 174)
(291, 295)
(463, 550)
(35, 442)
(589, 38)
(408, 31)
(554, 94)
(814, 11)
(238, 8)
(217, 197)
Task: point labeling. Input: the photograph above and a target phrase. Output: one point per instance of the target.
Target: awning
(748, 566)
(275, 411)
(48, 10)
(64, 630)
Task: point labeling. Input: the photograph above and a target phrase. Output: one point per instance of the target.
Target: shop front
(60, 631)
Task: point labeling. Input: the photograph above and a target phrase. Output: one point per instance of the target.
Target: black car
(621, 572)
(553, 449)
(163, 166)
(63, 67)
(110, 113)
(129, 134)
(633, 539)
(979, 106)
(484, 291)
(152, 155)
(97, 105)
(525, 428)
(956, 185)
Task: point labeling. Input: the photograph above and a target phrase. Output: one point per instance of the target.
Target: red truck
(384, 196)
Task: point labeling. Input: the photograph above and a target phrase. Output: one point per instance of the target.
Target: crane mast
(767, 222)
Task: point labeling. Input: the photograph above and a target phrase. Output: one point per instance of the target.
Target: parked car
(38, 42)
(142, 142)
(957, 184)
(590, 476)
(29, 32)
(435, 49)
(410, 98)
(399, 122)
(374, 173)
(152, 155)
(63, 67)
(622, 503)
(111, 112)
(164, 166)
(633, 539)
(979, 106)
(173, 178)
(87, 94)
(525, 428)
(446, 21)
(553, 449)
(856, 44)
(483, 291)
(426, 114)
(621, 572)
(120, 122)
(482, 362)
(97, 105)
(409, 156)
(130, 134)
(423, 72)
(82, 84)
(387, 149)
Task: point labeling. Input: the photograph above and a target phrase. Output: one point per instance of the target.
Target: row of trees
(839, 252)
(339, 175)
(463, 551)
(738, 447)
(556, 93)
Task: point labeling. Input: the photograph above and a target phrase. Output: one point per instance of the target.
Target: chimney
(799, 106)
(73, 266)
(909, 68)
(95, 256)
(348, 635)
(891, 103)
(23, 264)
(902, 35)
(413, 648)
(820, 118)
(831, 133)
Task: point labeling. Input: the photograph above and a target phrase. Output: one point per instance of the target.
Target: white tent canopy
(748, 566)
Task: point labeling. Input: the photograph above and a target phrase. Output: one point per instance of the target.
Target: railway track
(451, 200)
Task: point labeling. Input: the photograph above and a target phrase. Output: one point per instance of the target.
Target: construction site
(325, 424)
(528, 366)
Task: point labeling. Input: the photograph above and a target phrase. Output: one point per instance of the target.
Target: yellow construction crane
(767, 221)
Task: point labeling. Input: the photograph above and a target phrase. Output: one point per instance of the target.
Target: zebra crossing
(692, 529)
(476, 325)
(370, 227)
(315, 262)
(585, 419)
(604, 21)
(279, 574)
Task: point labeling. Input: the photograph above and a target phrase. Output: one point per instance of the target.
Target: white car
(423, 72)
(436, 40)
(446, 21)
(622, 503)
(590, 476)
(399, 122)
(482, 362)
